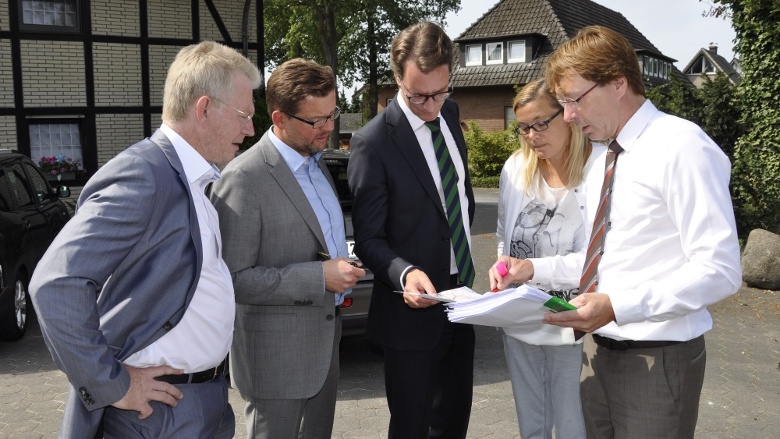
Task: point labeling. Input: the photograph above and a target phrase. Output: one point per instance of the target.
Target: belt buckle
(216, 372)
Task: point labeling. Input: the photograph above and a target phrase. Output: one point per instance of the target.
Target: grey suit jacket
(285, 323)
(119, 275)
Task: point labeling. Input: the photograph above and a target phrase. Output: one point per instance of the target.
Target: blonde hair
(203, 69)
(576, 153)
(598, 54)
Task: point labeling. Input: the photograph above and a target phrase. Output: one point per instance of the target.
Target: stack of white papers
(508, 308)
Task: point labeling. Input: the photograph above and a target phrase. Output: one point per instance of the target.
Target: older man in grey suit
(134, 300)
(278, 213)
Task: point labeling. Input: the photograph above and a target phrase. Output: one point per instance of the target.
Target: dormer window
(495, 53)
(474, 55)
(702, 65)
(655, 68)
(516, 51)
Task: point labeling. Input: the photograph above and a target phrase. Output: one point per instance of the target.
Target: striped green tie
(449, 184)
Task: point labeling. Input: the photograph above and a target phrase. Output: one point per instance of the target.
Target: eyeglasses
(420, 99)
(246, 117)
(538, 126)
(319, 122)
(576, 102)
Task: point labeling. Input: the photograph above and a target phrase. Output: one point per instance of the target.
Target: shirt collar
(290, 156)
(636, 125)
(195, 166)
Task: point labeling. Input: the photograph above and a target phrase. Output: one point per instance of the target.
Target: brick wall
(170, 19)
(231, 12)
(160, 57)
(8, 132)
(6, 76)
(116, 132)
(4, 16)
(53, 73)
(483, 105)
(117, 74)
(109, 18)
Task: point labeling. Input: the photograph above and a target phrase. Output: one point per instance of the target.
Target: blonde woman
(541, 214)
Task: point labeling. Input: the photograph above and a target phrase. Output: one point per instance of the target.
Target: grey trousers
(203, 413)
(650, 393)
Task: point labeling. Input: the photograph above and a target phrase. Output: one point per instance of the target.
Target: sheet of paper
(514, 307)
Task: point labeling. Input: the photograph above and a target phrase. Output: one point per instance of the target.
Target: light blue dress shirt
(321, 196)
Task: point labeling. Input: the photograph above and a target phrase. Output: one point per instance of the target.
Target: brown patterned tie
(589, 279)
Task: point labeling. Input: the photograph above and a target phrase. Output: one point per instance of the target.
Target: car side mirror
(63, 191)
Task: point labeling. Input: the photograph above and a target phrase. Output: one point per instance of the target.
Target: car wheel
(14, 324)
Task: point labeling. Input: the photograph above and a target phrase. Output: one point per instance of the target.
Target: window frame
(79, 122)
(489, 47)
(509, 57)
(30, 27)
(469, 62)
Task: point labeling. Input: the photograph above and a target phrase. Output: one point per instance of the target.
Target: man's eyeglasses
(246, 117)
(319, 122)
(576, 102)
(420, 99)
(538, 126)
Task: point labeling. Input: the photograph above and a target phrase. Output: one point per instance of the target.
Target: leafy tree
(756, 171)
(679, 99)
(721, 112)
(352, 36)
(713, 107)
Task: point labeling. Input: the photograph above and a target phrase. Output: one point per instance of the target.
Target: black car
(31, 215)
(354, 310)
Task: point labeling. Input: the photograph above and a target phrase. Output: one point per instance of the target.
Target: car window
(338, 170)
(19, 186)
(38, 183)
(6, 192)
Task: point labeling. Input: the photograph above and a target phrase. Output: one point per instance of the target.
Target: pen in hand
(502, 271)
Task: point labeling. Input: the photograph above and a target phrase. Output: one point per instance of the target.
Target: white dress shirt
(202, 338)
(423, 135)
(672, 248)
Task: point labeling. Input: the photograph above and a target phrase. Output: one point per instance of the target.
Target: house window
(517, 51)
(49, 15)
(702, 65)
(474, 55)
(509, 117)
(495, 53)
(59, 139)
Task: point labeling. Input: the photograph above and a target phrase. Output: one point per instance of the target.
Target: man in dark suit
(412, 211)
(134, 300)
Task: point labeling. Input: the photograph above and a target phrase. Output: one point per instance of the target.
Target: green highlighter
(557, 304)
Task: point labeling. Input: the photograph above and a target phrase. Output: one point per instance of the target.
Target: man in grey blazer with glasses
(286, 248)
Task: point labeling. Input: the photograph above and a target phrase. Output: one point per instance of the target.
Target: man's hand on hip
(144, 388)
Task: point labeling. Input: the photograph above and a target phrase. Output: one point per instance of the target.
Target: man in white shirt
(670, 248)
(134, 299)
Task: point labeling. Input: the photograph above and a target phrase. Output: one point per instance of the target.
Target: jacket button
(329, 317)
(168, 326)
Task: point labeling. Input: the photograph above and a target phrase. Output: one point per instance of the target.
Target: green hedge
(487, 154)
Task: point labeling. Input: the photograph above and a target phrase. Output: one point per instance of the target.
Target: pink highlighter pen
(502, 271)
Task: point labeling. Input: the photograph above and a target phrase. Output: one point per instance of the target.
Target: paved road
(740, 399)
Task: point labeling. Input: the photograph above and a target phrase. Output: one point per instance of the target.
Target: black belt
(455, 281)
(622, 345)
(195, 378)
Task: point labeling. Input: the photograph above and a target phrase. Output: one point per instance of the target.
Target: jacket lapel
(287, 182)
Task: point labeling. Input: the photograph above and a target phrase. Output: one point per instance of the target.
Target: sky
(676, 27)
